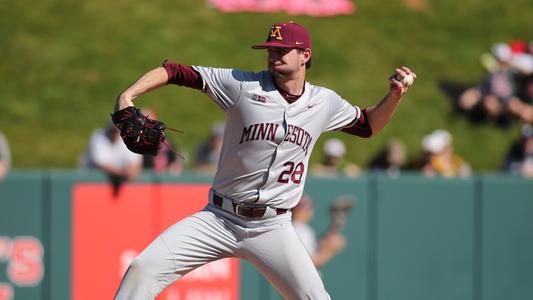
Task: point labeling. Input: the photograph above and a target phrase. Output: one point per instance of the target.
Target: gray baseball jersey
(268, 141)
(267, 145)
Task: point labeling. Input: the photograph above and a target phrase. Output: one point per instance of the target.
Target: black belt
(247, 211)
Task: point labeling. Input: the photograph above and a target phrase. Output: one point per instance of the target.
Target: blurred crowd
(106, 152)
(505, 95)
(437, 157)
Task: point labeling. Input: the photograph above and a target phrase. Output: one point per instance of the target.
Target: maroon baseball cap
(286, 35)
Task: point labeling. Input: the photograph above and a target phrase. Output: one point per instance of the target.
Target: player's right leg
(186, 245)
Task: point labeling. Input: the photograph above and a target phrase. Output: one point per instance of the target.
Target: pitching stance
(274, 118)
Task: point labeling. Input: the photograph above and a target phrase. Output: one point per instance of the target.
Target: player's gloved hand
(140, 134)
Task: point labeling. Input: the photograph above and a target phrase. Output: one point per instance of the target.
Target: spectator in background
(108, 153)
(521, 56)
(329, 245)
(208, 152)
(167, 160)
(333, 163)
(422, 163)
(391, 159)
(524, 108)
(519, 158)
(496, 96)
(5, 156)
(442, 161)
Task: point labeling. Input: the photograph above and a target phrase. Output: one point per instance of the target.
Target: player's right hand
(400, 80)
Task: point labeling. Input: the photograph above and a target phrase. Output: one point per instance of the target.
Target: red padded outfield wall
(109, 231)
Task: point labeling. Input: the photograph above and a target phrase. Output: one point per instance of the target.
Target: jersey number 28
(293, 172)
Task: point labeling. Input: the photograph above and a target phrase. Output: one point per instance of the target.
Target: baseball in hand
(407, 81)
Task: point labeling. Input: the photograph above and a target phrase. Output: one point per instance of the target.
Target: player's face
(284, 61)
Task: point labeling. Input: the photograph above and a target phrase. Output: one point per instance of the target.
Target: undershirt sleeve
(359, 127)
(183, 75)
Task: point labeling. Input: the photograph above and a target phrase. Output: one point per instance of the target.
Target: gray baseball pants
(270, 244)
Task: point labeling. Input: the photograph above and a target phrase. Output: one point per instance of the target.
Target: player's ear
(306, 56)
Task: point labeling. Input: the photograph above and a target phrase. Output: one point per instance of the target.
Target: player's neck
(293, 85)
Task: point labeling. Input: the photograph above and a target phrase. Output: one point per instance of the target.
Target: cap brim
(271, 44)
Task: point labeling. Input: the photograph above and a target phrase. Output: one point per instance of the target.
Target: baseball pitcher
(273, 120)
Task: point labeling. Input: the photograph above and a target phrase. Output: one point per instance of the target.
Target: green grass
(64, 62)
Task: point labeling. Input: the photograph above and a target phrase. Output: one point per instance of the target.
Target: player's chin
(277, 71)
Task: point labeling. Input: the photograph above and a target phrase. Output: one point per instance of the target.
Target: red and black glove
(140, 133)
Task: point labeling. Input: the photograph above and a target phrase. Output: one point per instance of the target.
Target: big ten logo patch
(23, 256)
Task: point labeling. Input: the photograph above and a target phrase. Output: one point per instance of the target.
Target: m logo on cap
(286, 35)
(275, 32)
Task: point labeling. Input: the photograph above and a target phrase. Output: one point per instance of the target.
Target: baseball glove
(339, 210)
(140, 133)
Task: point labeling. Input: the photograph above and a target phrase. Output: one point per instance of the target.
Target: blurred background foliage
(64, 63)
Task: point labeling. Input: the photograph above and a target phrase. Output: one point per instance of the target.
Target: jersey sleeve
(360, 127)
(224, 86)
(183, 75)
(341, 113)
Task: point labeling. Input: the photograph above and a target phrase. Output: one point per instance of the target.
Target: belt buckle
(237, 209)
(249, 212)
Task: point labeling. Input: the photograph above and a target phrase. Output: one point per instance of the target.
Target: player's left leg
(283, 260)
